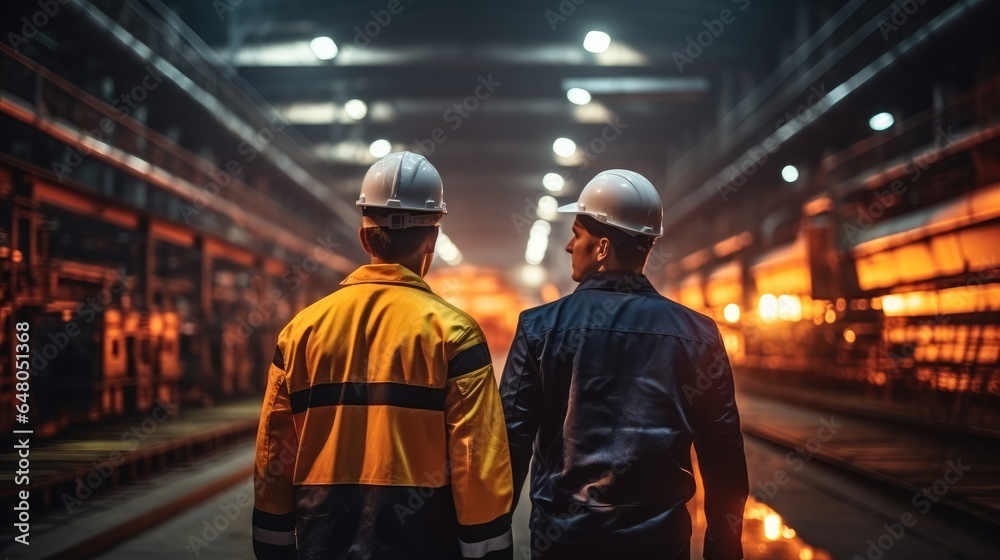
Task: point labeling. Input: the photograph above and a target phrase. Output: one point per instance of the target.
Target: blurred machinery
(873, 280)
(148, 267)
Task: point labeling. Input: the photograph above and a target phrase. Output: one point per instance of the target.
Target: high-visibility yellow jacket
(382, 434)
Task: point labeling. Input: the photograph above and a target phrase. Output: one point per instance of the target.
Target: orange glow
(784, 270)
(695, 260)
(830, 316)
(731, 340)
(487, 295)
(155, 324)
(132, 322)
(849, 336)
(724, 285)
(962, 299)
(817, 205)
(946, 254)
(691, 294)
(732, 244)
(550, 292)
(764, 531)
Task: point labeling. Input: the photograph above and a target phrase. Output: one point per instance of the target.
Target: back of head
(391, 244)
(401, 200)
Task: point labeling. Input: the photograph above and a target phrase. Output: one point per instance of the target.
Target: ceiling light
(789, 173)
(597, 42)
(356, 109)
(578, 96)
(380, 148)
(540, 228)
(535, 252)
(564, 147)
(324, 48)
(547, 208)
(881, 121)
(553, 182)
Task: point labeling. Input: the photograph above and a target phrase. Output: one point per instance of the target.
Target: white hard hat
(623, 199)
(407, 182)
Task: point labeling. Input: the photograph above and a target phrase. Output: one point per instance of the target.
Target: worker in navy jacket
(609, 387)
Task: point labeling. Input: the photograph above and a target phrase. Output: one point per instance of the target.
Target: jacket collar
(385, 274)
(616, 281)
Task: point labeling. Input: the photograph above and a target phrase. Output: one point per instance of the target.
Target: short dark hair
(631, 250)
(392, 244)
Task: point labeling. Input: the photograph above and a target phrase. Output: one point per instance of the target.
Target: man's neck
(415, 265)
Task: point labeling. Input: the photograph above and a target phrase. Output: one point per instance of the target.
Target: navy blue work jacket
(608, 388)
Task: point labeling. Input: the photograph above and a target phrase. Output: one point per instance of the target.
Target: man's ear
(364, 241)
(603, 249)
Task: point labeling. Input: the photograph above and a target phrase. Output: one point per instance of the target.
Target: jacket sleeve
(521, 393)
(721, 459)
(477, 451)
(277, 447)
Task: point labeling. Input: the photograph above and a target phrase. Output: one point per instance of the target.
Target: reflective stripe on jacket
(609, 387)
(382, 433)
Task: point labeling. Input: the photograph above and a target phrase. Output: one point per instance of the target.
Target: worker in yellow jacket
(382, 435)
